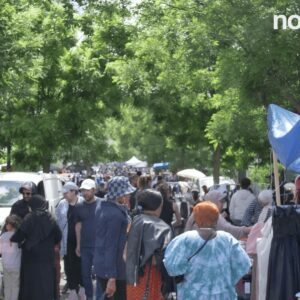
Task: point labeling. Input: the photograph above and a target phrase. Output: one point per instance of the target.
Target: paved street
(63, 281)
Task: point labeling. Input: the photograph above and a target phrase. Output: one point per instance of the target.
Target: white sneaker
(81, 294)
(72, 295)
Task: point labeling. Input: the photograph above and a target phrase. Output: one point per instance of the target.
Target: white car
(48, 185)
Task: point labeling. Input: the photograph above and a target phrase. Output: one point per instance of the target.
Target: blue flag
(284, 136)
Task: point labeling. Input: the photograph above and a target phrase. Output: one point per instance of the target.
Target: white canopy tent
(136, 163)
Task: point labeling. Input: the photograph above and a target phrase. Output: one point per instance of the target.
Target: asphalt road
(63, 282)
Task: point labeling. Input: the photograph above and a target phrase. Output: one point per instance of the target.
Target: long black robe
(38, 234)
(284, 259)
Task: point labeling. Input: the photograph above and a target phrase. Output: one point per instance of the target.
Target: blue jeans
(87, 256)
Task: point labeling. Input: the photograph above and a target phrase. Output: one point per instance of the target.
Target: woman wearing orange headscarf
(210, 261)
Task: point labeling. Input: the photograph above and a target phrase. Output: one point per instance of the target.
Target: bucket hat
(119, 186)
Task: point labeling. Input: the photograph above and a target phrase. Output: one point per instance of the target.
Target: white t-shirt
(11, 253)
(239, 203)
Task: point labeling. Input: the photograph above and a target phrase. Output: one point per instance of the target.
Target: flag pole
(276, 178)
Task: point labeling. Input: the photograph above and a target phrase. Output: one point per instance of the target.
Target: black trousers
(73, 269)
(120, 293)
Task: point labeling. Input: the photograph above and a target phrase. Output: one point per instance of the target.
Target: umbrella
(191, 173)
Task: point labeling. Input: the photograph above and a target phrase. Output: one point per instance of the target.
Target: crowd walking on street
(131, 243)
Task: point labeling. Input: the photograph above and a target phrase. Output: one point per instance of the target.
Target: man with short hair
(240, 201)
(195, 196)
(205, 189)
(21, 207)
(102, 190)
(85, 229)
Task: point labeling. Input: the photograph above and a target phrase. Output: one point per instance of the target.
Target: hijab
(37, 203)
(39, 223)
(206, 214)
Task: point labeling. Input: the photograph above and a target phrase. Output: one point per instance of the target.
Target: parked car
(48, 185)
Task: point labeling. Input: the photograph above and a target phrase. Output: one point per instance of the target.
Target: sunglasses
(26, 194)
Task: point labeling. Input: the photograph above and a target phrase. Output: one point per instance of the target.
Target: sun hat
(88, 184)
(119, 186)
(70, 186)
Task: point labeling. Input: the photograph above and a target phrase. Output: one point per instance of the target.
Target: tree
(74, 82)
(50, 113)
(168, 72)
(256, 66)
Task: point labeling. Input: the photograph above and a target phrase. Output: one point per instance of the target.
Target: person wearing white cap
(85, 229)
(111, 231)
(65, 220)
(218, 198)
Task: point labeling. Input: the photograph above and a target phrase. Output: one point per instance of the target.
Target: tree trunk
(216, 164)
(241, 174)
(8, 157)
(46, 165)
(182, 159)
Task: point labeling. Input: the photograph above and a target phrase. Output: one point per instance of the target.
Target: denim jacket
(61, 213)
(111, 227)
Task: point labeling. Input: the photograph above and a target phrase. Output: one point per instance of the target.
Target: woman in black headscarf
(37, 236)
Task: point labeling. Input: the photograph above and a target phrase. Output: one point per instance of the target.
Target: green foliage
(168, 74)
(163, 80)
(259, 175)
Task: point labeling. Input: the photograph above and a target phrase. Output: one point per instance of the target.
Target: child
(11, 259)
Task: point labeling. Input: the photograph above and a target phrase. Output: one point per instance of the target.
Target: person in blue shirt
(85, 230)
(111, 234)
(211, 261)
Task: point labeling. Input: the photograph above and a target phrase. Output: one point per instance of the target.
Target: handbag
(180, 278)
(146, 291)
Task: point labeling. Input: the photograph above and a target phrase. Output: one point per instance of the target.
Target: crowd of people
(121, 233)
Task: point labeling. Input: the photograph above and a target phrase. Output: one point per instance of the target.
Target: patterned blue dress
(211, 274)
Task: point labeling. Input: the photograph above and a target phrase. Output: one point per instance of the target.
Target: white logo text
(291, 22)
